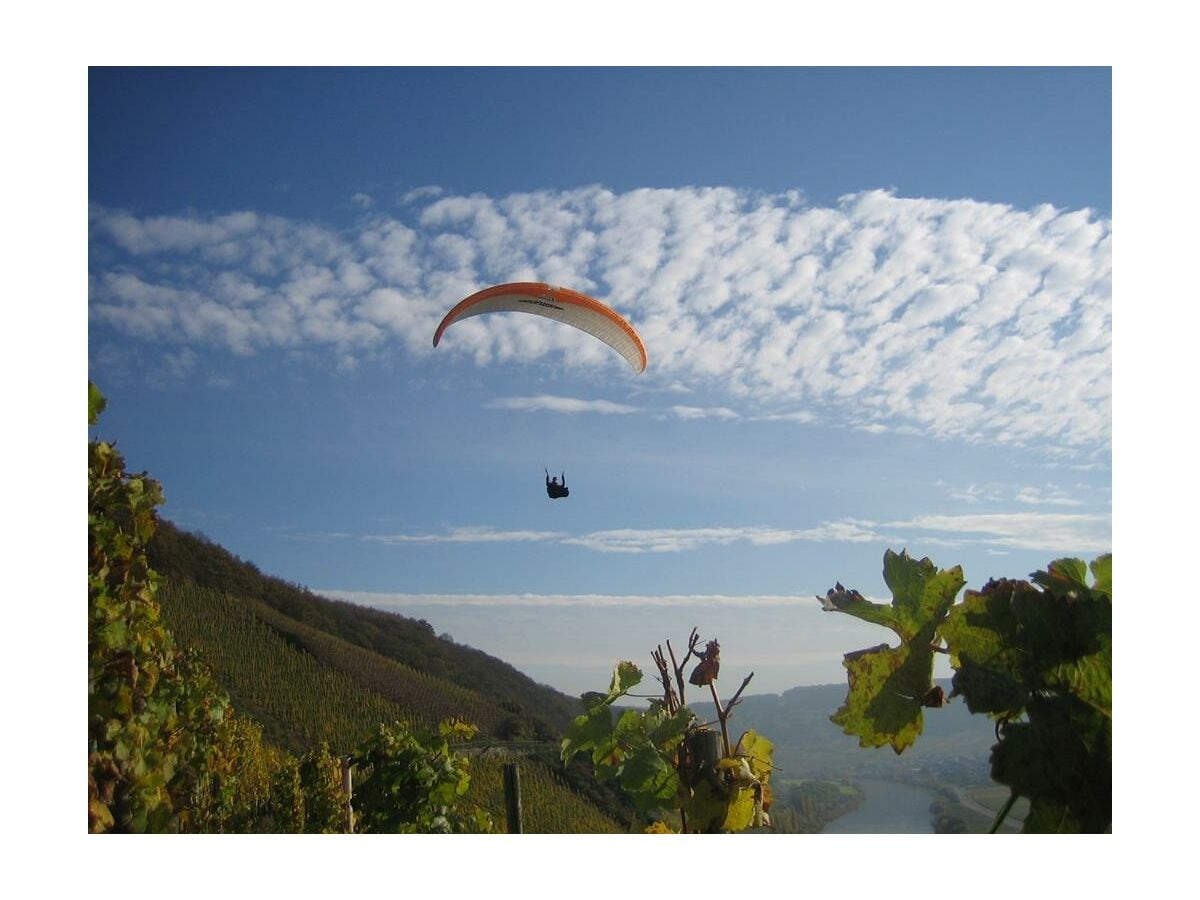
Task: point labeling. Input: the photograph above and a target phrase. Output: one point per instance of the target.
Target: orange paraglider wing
(558, 303)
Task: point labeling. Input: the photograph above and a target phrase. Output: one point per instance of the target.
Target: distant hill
(954, 742)
(517, 706)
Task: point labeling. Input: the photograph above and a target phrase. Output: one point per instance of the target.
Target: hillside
(518, 706)
(305, 686)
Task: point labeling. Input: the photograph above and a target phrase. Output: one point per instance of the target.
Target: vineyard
(305, 686)
(535, 710)
(548, 806)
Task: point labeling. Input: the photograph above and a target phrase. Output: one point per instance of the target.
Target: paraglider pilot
(554, 489)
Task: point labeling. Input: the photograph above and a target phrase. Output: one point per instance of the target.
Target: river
(888, 807)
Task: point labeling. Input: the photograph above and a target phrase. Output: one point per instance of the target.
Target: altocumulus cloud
(573, 405)
(951, 317)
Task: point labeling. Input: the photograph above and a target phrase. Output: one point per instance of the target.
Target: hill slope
(304, 686)
(523, 708)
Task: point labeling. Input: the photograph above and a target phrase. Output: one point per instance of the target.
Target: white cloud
(1054, 532)
(957, 318)
(382, 600)
(1051, 495)
(574, 405)
(1030, 495)
(569, 405)
(804, 417)
(703, 412)
(1050, 532)
(974, 493)
(673, 540)
(418, 194)
(466, 535)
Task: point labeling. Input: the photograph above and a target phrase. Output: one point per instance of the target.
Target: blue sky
(876, 303)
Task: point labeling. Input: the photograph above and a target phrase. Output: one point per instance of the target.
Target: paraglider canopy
(558, 303)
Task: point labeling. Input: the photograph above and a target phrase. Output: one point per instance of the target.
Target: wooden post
(512, 797)
(705, 748)
(348, 790)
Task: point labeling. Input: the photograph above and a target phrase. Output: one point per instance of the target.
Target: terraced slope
(548, 806)
(303, 685)
(534, 710)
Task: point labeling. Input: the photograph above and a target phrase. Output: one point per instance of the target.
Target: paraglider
(558, 303)
(555, 488)
(562, 305)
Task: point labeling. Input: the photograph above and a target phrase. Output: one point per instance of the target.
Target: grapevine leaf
(586, 731)
(739, 813)
(625, 677)
(736, 769)
(1102, 573)
(1063, 577)
(649, 779)
(921, 593)
(883, 703)
(989, 690)
(887, 684)
(593, 698)
(707, 807)
(96, 404)
(840, 599)
(1047, 816)
(1058, 639)
(759, 751)
(667, 732)
(590, 730)
(1060, 756)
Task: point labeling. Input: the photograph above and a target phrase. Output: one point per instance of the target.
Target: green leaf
(1058, 639)
(883, 703)
(96, 403)
(739, 812)
(759, 751)
(921, 593)
(1063, 577)
(707, 807)
(989, 690)
(625, 677)
(1048, 816)
(649, 779)
(1102, 575)
(586, 731)
(667, 731)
